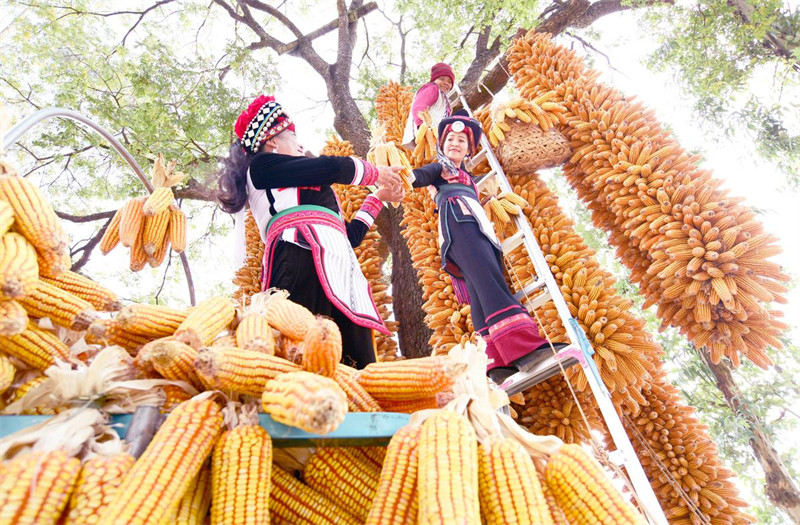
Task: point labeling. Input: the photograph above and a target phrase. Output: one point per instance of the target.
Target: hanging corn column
(449, 320)
(697, 254)
(625, 354)
(248, 277)
(371, 253)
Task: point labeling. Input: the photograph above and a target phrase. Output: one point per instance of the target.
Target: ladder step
(529, 289)
(544, 370)
(477, 159)
(538, 301)
(486, 177)
(513, 242)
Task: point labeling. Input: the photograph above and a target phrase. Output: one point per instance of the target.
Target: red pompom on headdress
(263, 119)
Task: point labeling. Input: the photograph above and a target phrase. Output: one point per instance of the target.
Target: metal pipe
(27, 123)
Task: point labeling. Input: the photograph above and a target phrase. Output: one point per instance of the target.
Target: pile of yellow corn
(425, 141)
(148, 225)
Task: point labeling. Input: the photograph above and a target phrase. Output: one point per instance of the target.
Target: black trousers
(293, 270)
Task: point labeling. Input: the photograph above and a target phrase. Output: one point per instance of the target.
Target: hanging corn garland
(696, 253)
(369, 252)
(248, 277)
(148, 225)
(392, 100)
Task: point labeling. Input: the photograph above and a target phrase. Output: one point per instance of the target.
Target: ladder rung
(481, 182)
(477, 159)
(514, 241)
(546, 369)
(529, 289)
(538, 301)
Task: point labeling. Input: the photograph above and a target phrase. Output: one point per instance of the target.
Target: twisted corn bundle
(392, 105)
(368, 252)
(697, 254)
(248, 277)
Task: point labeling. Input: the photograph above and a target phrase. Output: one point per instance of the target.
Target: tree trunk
(780, 488)
(412, 331)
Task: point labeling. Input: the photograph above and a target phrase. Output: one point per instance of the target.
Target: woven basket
(527, 148)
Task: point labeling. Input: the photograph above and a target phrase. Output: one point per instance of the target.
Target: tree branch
(554, 20)
(86, 218)
(196, 191)
(88, 248)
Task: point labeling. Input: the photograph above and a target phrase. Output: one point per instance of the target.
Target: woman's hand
(389, 176)
(392, 194)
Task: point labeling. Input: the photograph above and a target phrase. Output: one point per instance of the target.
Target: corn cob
(241, 476)
(174, 396)
(372, 455)
(413, 405)
(100, 297)
(130, 221)
(177, 228)
(7, 373)
(6, 217)
(224, 340)
(35, 487)
(97, 483)
(194, 505)
(13, 318)
(556, 515)
(151, 320)
(232, 369)
(60, 306)
(583, 492)
(510, 491)
(448, 471)
(248, 277)
(158, 201)
(138, 257)
(35, 347)
(19, 269)
(410, 379)
(23, 389)
(396, 501)
(206, 321)
(36, 220)
(159, 255)
(254, 333)
(154, 231)
(175, 360)
(358, 399)
(289, 318)
(109, 332)
(304, 400)
(110, 238)
(343, 476)
(159, 478)
(290, 501)
(322, 347)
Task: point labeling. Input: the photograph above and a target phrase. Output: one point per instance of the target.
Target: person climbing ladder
(471, 254)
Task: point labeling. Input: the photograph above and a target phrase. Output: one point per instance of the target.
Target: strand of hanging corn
(392, 99)
(696, 253)
(148, 225)
(629, 363)
(369, 252)
(248, 277)
(450, 321)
